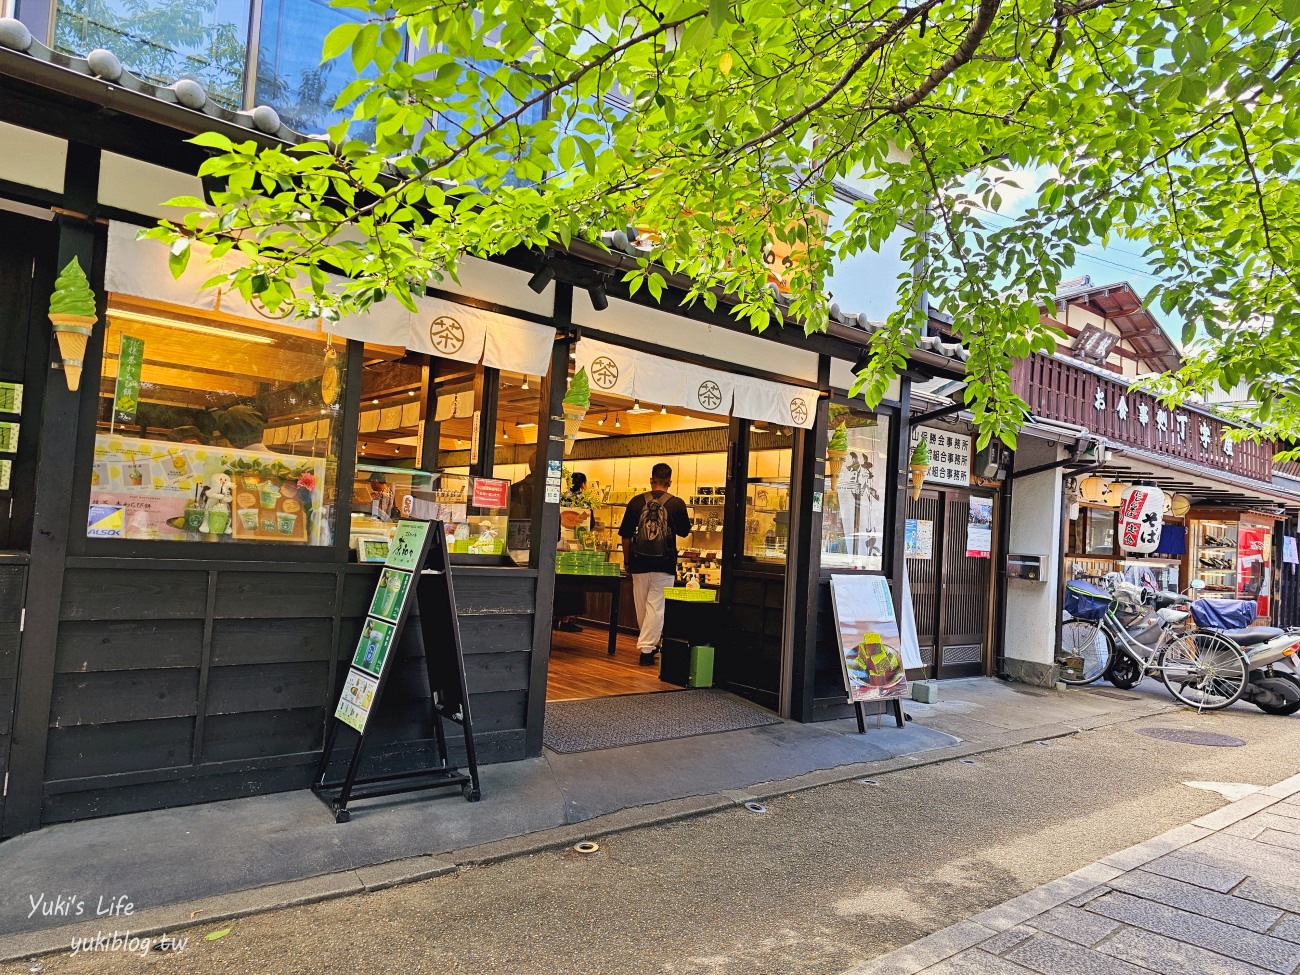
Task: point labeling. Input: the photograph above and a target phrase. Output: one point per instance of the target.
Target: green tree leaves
(716, 128)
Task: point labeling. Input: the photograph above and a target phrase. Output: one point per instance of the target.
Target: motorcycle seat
(1253, 635)
(1163, 599)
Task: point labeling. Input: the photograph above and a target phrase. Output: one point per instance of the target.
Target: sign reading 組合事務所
(949, 455)
(388, 609)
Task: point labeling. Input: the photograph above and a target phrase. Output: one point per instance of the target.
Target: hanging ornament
(331, 375)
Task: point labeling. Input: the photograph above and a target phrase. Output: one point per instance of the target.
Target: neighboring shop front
(1224, 518)
(192, 532)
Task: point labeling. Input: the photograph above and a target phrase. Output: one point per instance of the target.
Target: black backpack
(653, 532)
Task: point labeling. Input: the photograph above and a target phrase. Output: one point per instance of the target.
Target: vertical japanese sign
(383, 623)
(126, 392)
(949, 455)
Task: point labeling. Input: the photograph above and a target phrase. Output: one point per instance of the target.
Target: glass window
(290, 77)
(767, 493)
(518, 404)
(162, 42)
(854, 527)
(213, 429)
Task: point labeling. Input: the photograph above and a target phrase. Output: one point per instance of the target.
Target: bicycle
(1201, 669)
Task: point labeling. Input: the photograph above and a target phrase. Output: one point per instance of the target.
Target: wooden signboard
(417, 567)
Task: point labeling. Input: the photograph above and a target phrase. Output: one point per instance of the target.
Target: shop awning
(667, 382)
(447, 329)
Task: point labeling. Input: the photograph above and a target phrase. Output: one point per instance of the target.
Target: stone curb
(947, 942)
(226, 907)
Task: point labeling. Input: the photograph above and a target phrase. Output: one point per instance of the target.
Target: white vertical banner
(706, 390)
(658, 380)
(761, 399)
(610, 368)
(448, 330)
(139, 268)
(518, 346)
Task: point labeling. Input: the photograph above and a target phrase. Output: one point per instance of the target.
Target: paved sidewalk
(1218, 896)
(231, 859)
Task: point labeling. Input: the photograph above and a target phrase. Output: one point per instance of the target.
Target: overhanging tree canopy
(722, 124)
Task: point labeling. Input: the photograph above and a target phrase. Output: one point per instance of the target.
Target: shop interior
(618, 443)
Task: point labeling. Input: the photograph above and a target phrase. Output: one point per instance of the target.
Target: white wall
(1035, 530)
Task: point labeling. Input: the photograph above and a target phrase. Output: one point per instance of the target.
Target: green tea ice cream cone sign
(72, 312)
(836, 450)
(920, 466)
(577, 401)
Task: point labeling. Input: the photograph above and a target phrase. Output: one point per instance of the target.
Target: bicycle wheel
(1084, 653)
(1204, 670)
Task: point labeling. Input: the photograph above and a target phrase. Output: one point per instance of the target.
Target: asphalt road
(824, 880)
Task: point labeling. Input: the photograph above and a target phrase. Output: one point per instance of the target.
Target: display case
(1233, 552)
(382, 495)
(767, 505)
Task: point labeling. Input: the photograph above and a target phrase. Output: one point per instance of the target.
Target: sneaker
(568, 626)
(647, 658)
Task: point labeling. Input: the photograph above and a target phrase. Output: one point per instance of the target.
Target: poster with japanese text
(979, 529)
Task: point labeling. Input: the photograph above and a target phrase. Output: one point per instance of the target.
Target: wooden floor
(581, 667)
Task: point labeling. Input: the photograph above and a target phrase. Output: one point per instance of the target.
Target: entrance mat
(633, 719)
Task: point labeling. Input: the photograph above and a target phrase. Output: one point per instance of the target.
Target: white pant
(648, 594)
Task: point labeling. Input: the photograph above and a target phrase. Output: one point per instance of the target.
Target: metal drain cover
(1185, 736)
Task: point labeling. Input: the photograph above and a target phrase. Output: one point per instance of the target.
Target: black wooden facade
(154, 674)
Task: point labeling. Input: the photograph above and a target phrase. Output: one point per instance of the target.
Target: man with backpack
(651, 525)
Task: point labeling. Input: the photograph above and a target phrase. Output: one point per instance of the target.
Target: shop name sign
(949, 456)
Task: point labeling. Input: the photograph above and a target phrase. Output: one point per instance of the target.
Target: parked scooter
(1271, 652)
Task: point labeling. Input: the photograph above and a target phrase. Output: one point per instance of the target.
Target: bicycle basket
(1084, 601)
(1224, 614)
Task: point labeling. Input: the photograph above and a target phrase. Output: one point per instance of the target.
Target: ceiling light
(525, 385)
(521, 426)
(224, 333)
(601, 421)
(410, 392)
(543, 276)
(374, 402)
(637, 408)
(617, 423)
(663, 411)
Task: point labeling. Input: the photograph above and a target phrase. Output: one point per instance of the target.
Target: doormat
(633, 719)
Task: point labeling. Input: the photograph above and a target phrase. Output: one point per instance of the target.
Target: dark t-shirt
(679, 520)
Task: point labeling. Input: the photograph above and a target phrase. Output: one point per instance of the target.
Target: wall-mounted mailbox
(1025, 567)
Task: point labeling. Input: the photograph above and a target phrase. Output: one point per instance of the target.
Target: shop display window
(1093, 533)
(383, 495)
(393, 408)
(854, 504)
(767, 494)
(216, 430)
